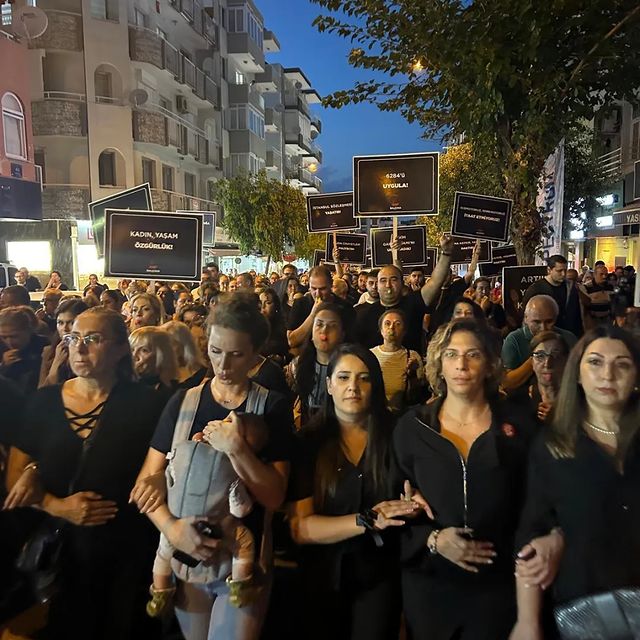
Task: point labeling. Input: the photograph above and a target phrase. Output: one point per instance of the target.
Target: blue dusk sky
(353, 130)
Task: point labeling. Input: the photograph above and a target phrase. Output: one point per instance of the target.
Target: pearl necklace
(607, 432)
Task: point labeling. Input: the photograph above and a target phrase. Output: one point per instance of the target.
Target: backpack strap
(187, 414)
(257, 399)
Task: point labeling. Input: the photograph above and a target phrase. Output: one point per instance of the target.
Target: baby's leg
(162, 573)
(243, 554)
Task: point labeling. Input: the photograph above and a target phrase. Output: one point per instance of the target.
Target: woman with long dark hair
(276, 347)
(584, 477)
(307, 373)
(465, 452)
(343, 489)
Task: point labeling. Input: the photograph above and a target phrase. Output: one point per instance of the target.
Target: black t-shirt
(302, 308)
(277, 416)
(368, 315)
(442, 309)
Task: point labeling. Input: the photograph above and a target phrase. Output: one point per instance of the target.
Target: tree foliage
(463, 167)
(515, 73)
(261, 214)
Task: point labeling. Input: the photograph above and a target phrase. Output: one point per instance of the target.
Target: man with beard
(371, 294)
(414, 305)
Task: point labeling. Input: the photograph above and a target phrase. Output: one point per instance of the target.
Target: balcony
(247, 54)
(611, 164)
(272, 120)
(302, 178)
(163, 200)
(316, 123)
(155, 125)
(268, 80)
(60, 114)
(146, 46)
(246, 141)
(243, 94)
(298, 104)
(198, 17)
(65, 201)
(64, 32)
(273, 159)
(297, 144)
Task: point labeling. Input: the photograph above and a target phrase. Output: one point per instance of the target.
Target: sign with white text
(331, 212)
(476, 216)
(413, 251)
(395, 185)
(462, 251)
(500, 257)
(138, 198)
(153, 245)
(515, 282)
(352, 247)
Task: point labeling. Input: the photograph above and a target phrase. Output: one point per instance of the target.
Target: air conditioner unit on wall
(181, 104)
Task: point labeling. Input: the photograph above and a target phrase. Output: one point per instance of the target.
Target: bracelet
(367, 519)
(31, 465)
(433, 545)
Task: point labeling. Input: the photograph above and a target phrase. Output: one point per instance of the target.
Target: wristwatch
(433, 545)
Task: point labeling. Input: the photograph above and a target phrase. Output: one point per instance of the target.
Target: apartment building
(617, 131)
(170, 92)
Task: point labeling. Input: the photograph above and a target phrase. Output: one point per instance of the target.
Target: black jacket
(485, 493)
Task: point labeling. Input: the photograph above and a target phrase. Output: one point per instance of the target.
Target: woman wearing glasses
(465, 452)
(81, 448)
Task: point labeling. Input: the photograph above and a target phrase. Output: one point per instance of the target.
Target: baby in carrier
(202, 482)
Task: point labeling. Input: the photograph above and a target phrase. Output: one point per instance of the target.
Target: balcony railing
(147, 46)
(164, 200)
(611, 164)
(171, 130)
(303, 176)
(195, 14)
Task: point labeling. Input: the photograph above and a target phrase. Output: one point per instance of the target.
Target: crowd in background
(334, 453)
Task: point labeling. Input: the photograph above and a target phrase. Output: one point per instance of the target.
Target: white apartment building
(170, 92)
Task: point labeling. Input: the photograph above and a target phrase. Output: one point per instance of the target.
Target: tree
(261, 214)
(464, 167)
(516, 74)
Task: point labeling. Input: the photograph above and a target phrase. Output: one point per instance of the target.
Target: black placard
(477, 216)
(147, 244)
(515, 282)
(501, 257)
(137, 198)
(20, 199)
(463, 251)
(331, 212)
(427, 268)
(412, 253)
(352, 247)
(395, 185)
(319, 256)
(208, 228)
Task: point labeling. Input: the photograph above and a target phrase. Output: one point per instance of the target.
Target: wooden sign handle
(394, 235)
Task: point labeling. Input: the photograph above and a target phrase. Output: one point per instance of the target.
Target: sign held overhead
(412, 253)
(331, 212)
(352, 247)
(152, 245)
(395, 185)
(477, 216)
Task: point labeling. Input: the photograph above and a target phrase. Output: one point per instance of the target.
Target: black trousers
(371, 613)
(439, 610)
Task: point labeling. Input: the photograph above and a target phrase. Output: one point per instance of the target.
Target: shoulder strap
(257, 399)
(187, 414)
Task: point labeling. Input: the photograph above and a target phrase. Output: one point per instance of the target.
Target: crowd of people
(328, 454)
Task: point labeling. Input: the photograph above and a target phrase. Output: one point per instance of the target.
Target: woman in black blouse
(108, 545)
(465, 452)
(343, 487)
(584, 476)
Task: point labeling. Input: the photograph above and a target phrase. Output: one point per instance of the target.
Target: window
(15, 141)
(241, 118)
(102, 81)
(236, 21)
(107, 169)
(5, 15)
(149, 171)
(237, 118)
(190, 184)
(140, 18)
(104, 9)
(167, 177)
(240, 78)
(39, 159)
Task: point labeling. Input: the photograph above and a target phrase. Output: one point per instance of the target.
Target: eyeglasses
(541, 356)
(93, 339)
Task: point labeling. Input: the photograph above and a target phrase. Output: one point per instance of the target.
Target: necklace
(464, 424)
(607, 432)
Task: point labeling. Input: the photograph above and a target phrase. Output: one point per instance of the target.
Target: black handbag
(40, 558)
(612, 615)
